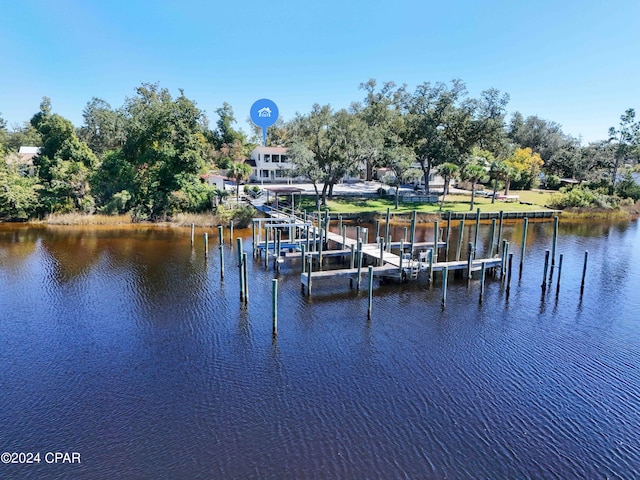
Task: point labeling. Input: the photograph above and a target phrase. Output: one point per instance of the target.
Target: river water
(126, 347)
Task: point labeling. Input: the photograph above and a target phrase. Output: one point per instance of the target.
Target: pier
(286, 235)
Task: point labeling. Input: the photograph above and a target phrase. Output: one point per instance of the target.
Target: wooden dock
(308, 239)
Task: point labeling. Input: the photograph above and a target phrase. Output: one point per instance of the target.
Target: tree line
(146, 157)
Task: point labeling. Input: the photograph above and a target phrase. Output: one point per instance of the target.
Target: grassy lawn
(453, 203)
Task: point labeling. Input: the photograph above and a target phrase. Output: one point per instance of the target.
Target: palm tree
(448, 171)
(474, 171)
(239, 171)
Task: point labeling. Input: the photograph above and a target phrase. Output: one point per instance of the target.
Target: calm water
(124, 345)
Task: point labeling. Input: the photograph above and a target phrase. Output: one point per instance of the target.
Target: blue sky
(573, 62)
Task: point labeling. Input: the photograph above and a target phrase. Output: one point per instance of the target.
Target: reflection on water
(125, 345)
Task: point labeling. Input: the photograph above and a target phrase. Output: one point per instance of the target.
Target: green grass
(453, 203)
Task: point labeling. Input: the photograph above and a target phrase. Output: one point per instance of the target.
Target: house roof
(272, 150)
(29, 150)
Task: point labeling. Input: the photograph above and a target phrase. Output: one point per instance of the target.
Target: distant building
(24, 159)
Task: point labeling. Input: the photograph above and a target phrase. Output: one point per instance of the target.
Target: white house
(271, 164)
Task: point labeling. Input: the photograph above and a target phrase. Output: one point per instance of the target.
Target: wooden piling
(245, 276)
(253, 239)
(430, 270)
(352, 259)
(523, 247)
(274, 305)
(554, 241)
(559, 273)
(231, 232)
(510, 264)
(546, 268)
(266, 246)
(370, 292)
(359, 266)
(445, 274)
(327, 221)
(492, 233)
(413, 231)
(221, 235)
(309, 270)
(377, 229)
(304, 258)
(240, 268)
(386, 224)
(469, 261)
(482, 276)
(206, 245)
(446, 239)
(320, 246)
(459, 243)
(193, 232)
(475, 234)
(584, 272)
(381, 259)
(221, 248)
(500, 218)
(436, 237)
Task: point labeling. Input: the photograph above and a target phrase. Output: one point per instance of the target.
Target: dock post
(546, 267)
(344, 236)
(381, 260)
(436, 238)
(500, 218)
(470, 256)
(412, 237)
(445, 274)
(239, 241)
(221, 248)
(559, 273)
(221, 234)
(352, 259)
(309, 270)
(304, 258)
(266, 246)
(231, 232)
(482, 276)
(554, 242)
(245, 276)
(584, 272)
(386, 224)
(430, 272)
(359, 264)
(491, 236)
(276, 254)
(206, 245)
(274, 305)
(307, 233)
(510, 263)
(459, 243)
(523, 247)
(446, 239)
(370, 292)
(377, 228)
(404, 235)
(340, 225)
(327, 221)
(505, 260)
(193, 232)
(358, 234)
(253, 238)
(320, 246)
(475, 234)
